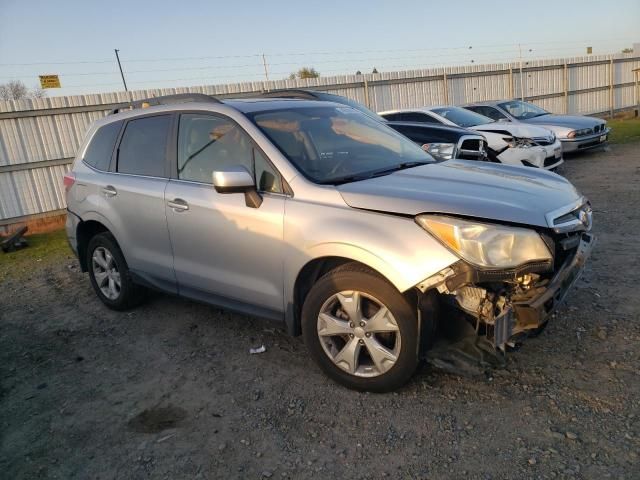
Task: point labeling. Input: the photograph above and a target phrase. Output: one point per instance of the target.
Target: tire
(110, 261)
(331, 337)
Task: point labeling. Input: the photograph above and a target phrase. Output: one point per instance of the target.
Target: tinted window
(99, 151)
(392, 117)
(417, 117)
(142, 148)
(490, 112)
(207, 143)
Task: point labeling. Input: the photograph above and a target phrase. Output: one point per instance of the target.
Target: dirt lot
(170, 390)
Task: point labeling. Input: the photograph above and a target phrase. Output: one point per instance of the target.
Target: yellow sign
(589, 50)
(49, 81)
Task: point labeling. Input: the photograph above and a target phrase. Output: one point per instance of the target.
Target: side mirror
(237, 180)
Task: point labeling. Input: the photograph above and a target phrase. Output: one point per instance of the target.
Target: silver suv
(314, 214)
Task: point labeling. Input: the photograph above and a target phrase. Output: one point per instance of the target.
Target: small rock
(532, 461)
(571, 435)
(222, 447)
(602, 334)
(266, 474)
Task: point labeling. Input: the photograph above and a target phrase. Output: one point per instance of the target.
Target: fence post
(510, 82)
(367, 102)
(611, 106)
(446, 88)
(566, 88)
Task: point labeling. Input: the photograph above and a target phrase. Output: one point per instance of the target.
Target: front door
(224, 251)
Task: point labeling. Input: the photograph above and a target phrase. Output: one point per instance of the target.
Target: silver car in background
(575, 132)
(316, 215)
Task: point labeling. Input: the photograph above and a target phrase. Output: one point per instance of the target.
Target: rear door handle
(109, 191)
(178, 205)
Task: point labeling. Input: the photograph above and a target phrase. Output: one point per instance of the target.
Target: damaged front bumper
(506, 304)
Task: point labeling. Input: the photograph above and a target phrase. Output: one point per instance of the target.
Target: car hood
(568, 121)
(469, 188)
(518, 130)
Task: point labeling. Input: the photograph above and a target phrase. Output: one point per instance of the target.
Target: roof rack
(289, 93)
(166, 100)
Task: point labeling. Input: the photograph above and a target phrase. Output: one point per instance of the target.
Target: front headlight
(443, 151)
(514, 142)
(486, 245)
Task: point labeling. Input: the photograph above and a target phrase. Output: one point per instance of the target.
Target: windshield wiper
(376, 173)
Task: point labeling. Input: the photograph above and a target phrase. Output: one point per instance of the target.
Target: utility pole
(266, 68)
(521, 84)
(121, 72)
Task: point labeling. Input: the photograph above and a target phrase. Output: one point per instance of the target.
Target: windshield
(462, 117)
(522, 110)
(329, 97)
(338, 144)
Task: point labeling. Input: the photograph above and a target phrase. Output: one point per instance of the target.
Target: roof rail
(166, 100)
(289, 93)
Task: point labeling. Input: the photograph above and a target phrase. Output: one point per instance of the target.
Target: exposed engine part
(437, 280)
(476, 301)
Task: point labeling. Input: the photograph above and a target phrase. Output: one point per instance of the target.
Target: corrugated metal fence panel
(28, 192)
(50, 137)
(57, 136)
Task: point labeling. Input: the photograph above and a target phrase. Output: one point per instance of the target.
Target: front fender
(394, 246)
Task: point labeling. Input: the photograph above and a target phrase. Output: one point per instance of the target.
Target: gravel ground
(170, 391)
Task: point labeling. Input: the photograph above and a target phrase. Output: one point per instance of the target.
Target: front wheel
(360, 330)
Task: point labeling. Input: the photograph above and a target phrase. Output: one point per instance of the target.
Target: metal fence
(39, 137)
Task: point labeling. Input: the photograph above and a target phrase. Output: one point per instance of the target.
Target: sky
(183, 43)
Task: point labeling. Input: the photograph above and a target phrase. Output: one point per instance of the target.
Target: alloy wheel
(105, 272)
(359, 333)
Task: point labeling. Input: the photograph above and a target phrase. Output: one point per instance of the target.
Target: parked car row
(315, 213)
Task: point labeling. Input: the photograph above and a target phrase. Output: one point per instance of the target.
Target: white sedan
(512, 144)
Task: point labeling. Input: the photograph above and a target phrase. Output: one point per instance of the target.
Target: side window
(267, 178)
(418, 117)
(99, 151)
(142, 150)
(207, 143)
(392, 117)
(490, 112)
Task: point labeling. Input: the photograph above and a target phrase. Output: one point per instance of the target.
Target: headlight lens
(486, 245)
(443, 151)
(571, 134)
(519, 142)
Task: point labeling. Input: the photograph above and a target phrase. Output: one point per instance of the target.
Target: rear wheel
(109, 274)
(360, 330)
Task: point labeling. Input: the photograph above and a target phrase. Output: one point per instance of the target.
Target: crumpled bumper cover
(533, 313)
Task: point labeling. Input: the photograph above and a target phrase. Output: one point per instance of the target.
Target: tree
(627, 50)
(305, 72)
(17, 90)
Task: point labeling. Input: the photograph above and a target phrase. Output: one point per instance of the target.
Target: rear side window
(417, 117)
(142, 149)
(99, 151)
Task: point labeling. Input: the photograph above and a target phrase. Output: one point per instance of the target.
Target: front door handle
(109, 191)
(178, 205)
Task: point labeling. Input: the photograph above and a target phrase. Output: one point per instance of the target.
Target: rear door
(135, 193)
